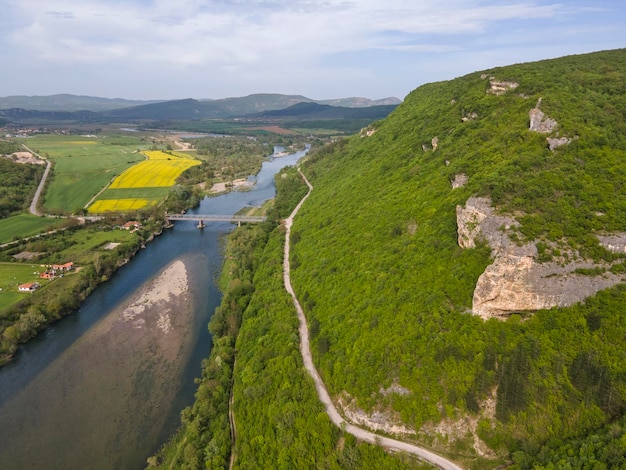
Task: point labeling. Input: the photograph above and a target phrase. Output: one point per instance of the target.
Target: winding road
(322, 392)
(42, 183)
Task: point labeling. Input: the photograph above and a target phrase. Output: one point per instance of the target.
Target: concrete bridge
(203, 218)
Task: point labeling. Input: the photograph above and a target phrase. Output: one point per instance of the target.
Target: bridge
(202, 218)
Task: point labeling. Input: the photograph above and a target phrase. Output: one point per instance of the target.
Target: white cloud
(260, 37)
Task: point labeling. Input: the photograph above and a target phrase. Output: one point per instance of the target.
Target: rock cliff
(516, 281)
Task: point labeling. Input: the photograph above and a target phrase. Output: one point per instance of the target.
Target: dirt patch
(111, 246)
(28, 255)
(25, 157)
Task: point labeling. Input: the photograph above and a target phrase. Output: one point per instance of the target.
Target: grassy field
(80, 247)
(24, 225)
(84, 165)
(11, 276)
(83, 245)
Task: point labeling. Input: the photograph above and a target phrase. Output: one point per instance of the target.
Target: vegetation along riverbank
(280, 422)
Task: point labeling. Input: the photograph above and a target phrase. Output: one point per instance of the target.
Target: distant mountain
(255, 103)
(324, 111)
(185, 109)
(361, 102)
(191, 109)
(66, 102)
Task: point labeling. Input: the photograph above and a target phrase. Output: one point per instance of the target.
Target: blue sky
(170, 49)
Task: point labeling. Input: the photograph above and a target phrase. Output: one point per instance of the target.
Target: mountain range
(92, 109)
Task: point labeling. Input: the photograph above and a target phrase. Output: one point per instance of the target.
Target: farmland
(24, 225)
(160, 170)
(84, 165)
(11, 276)
(143, 184)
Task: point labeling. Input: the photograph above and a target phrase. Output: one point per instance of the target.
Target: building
(63, 267)
(28, 287)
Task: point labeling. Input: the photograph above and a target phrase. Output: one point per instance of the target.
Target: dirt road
(322, 392)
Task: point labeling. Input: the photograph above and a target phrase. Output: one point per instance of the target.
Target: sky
(322, 49)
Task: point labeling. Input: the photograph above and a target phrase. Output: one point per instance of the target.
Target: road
(42, 184)
(322, 392)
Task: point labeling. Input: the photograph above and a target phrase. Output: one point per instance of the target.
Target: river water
(90, 392)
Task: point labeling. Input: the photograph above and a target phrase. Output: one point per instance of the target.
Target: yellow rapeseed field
(160, 170)
(119, 205)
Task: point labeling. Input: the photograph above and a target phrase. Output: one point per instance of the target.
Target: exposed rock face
(538, 124)
(367, 132)
(477, 221)
(556, 143)
(497, 87)
(470, 117)
(615, 243)
(379, 420)
(516, 281)
(459, 181)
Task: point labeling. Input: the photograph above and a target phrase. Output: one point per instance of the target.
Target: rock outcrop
(615, 243)
(459, 181)
(497, 87)
(538, 123)
(516, 281)
(554, 143)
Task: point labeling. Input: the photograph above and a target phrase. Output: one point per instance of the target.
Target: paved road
(322, 392)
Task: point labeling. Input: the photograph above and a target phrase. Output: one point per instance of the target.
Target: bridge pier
(201, 224)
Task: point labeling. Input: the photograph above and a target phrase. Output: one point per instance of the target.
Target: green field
(24, 225)
(11, 276)
(80, 246)
(84, 165)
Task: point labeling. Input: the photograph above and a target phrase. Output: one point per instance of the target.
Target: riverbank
(126, 365)
(238, 184)
(38, 311)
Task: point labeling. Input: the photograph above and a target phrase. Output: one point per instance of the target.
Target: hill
(311, 111)
(71, 108)
(512, 177)
(462, 264)
(66, 102)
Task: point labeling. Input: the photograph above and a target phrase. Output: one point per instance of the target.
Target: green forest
(18, 183)
(388, 291)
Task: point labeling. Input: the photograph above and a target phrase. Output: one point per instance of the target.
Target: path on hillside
(322, 392)
(42, 183)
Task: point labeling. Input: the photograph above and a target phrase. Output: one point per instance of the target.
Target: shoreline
(127, 361)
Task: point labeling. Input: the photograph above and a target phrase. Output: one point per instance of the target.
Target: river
(102, 389)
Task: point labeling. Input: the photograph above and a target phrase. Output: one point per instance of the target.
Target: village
(51, 272)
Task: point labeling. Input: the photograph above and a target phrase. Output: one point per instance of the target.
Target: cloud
(228, 32)
(260, 39)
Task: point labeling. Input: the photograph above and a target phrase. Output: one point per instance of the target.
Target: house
(48, 275)
(131, 224)
(28, 287)
(63, 267)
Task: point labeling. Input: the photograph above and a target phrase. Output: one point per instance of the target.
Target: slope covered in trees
(18, 183)
(388, 291)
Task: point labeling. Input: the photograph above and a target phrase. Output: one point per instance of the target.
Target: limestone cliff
(516, 281)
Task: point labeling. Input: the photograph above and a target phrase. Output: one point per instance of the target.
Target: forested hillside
(389, 292)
